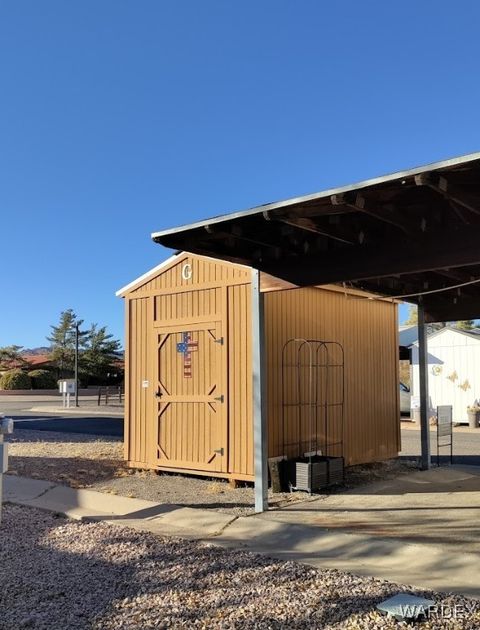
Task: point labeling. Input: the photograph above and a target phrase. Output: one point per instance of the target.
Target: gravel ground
(68, 575)
(83, 461)
(66, 458)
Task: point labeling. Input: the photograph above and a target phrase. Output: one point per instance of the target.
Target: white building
(453, 368)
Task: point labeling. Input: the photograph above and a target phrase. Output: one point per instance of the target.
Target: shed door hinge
(219, 340)
(219, 398)
(218, 450)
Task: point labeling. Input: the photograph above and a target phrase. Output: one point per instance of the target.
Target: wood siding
(138, 369)
(240, 379)
(367, 330)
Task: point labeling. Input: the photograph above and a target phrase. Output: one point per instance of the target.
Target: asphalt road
(99, 425)
(466, 447)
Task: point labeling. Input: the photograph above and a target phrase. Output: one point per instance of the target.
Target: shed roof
(409, 336)
(145, 277)
(413, 232)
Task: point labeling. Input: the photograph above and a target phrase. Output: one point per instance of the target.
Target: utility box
(67, 386)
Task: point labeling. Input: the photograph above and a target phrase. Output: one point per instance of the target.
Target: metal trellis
(313, 400)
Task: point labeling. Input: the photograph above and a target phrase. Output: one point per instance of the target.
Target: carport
(413, 235)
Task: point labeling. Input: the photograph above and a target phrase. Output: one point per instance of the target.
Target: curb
(82, 411)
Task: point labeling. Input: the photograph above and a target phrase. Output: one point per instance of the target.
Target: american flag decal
(186, 347)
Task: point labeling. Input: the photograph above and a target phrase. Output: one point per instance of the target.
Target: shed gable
(188, 270)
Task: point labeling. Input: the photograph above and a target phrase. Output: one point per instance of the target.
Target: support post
(259, 407)
(423, 380)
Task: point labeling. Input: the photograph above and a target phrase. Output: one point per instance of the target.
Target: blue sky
(119, 118)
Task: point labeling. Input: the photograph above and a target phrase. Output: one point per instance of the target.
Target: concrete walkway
(162, 519)
(336, 532)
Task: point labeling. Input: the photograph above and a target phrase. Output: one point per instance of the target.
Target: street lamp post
(76, 363)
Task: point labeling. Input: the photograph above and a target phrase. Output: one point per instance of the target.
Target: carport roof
(414, 234)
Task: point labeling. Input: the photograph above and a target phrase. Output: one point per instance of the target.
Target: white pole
(6, 426)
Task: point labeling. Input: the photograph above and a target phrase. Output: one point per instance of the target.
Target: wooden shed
(188, 362)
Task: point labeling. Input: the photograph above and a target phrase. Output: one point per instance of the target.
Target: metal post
(259, 407)
(423, 379)
(76, 364)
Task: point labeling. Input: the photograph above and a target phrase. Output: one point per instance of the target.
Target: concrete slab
(80, 503)
(437, 507)
(423, 566)
(21, 489)
(191, 523)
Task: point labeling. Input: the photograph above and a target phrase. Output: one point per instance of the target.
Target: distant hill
(39, 350)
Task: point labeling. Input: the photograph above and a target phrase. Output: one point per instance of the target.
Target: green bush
(43, 379)
(15, 379)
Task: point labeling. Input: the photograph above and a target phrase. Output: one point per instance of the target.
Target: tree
(11, 357)
(465, 324)
(15, 379)
(100, 354)
(62, 342)
(412, 318)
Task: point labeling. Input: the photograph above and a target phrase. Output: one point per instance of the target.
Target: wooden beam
(439, 251)
(308, 225)
(383, 213)
(451, 309)
(456, 275)
(449, 191)
(236, 233)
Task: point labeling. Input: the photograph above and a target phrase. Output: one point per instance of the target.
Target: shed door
(191, 411)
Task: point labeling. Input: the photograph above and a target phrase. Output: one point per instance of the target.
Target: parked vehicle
(405, 399)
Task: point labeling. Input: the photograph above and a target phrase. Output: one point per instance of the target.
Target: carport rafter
(449, 191)
(385, 214)
(439, 251)
(308, 224)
